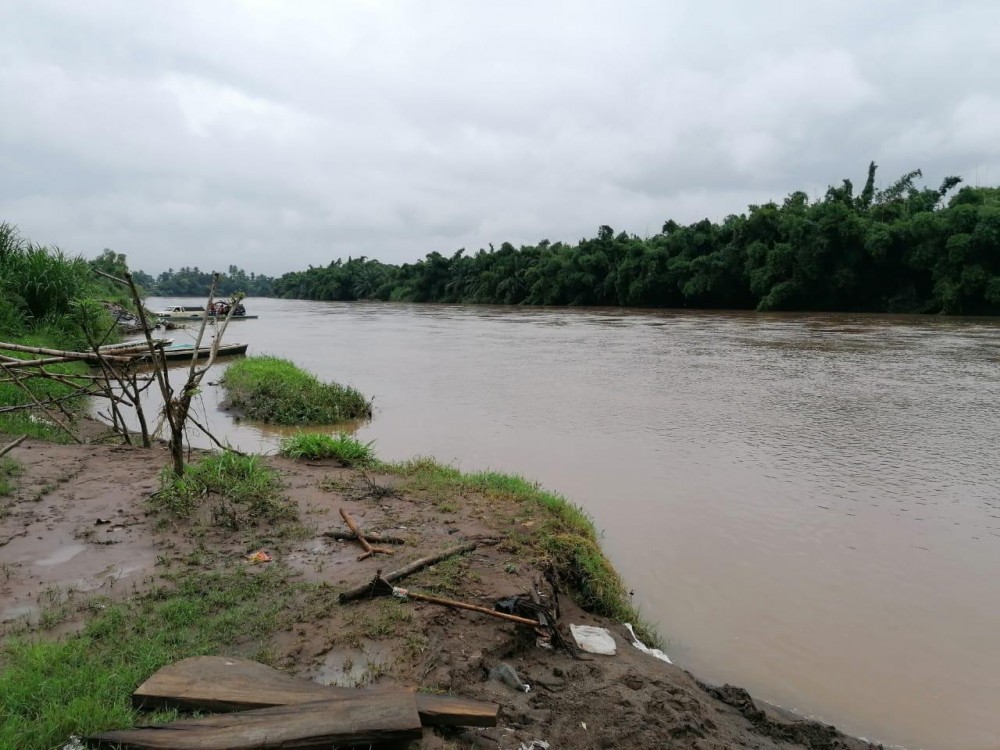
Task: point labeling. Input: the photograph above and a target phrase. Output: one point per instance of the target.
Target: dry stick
(11, 446)
(371, 536)
(461, 605)
(367, 588)
(369, 550)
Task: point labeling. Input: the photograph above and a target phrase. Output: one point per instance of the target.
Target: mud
(79, 528)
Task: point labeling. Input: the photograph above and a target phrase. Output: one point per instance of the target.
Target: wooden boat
(128, 347)
(181, 312)
(176, 352)
(196, 312)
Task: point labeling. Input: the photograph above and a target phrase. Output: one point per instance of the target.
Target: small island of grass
(271, 389)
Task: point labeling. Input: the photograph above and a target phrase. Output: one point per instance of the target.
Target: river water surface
(807, 506)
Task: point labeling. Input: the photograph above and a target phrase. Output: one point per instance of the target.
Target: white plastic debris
(594, 640)
(74, 743)
(535, 745)
(655, 652)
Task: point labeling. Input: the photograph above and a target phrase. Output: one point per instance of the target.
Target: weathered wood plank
(358, 719)
(223, 683)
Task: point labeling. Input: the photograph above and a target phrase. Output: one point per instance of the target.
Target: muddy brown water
(806, 505)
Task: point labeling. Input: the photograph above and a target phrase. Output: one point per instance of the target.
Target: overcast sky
(275, 135)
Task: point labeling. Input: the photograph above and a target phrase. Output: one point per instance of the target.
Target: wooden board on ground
(230, 683)
(350, 720)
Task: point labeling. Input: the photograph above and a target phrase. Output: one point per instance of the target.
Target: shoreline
(64, 490)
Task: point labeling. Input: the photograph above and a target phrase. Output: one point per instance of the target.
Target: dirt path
(78, 525)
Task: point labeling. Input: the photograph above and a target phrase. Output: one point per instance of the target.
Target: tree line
(193, 282)
(904, 248)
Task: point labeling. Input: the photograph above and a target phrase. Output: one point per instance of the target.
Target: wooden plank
(230, 683)
(350, 720)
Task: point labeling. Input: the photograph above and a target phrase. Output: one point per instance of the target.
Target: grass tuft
(248, 490)
(345, 448)
(271, 389)
(9, 469)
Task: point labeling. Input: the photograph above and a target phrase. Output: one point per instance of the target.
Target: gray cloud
(277, 135)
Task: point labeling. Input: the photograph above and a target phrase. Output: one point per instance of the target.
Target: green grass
(82, 684)
(247, 490)
(347, 449)
(563, 535)
(9, 469)
(270, 389)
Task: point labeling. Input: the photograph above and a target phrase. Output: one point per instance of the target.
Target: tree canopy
(903, 248)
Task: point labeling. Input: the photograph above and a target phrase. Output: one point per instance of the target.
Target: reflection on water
(807, 505)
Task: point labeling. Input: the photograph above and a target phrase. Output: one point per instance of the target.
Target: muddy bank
(78, 526)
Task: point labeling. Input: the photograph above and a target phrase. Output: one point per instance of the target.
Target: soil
(79, 524)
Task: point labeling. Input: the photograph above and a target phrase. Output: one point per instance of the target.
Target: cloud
(277, 135)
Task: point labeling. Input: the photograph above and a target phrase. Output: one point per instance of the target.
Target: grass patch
(83, 683)
(9, 469)
(562, 536)
(343, 447)
(248, 490)
(271, 389)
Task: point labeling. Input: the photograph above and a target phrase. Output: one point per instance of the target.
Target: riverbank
(94, 571)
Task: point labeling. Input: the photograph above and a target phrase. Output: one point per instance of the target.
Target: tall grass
(271, 389)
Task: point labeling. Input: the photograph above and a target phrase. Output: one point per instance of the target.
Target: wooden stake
(369, 550)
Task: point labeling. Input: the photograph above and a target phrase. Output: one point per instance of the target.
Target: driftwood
(343, 721)
(226, 683)
(380, 586)
(371, 536)
(359, 592)
(11, 446)
(369, 550)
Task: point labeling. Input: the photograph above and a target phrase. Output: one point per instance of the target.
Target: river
(806, 505)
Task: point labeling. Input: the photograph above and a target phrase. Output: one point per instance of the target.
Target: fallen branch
(369, 550)
(11, 446)
(371, 536)
(366, 589)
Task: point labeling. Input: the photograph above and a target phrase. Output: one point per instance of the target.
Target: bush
(347, 449)
(270, 389)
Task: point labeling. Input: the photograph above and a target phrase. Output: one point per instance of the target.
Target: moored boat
(176, 352)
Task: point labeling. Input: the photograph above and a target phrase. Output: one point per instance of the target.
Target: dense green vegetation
(271, 389)
(193, 282)
(901, 249)
(82, 683)
(345, 448)
(53, 300)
